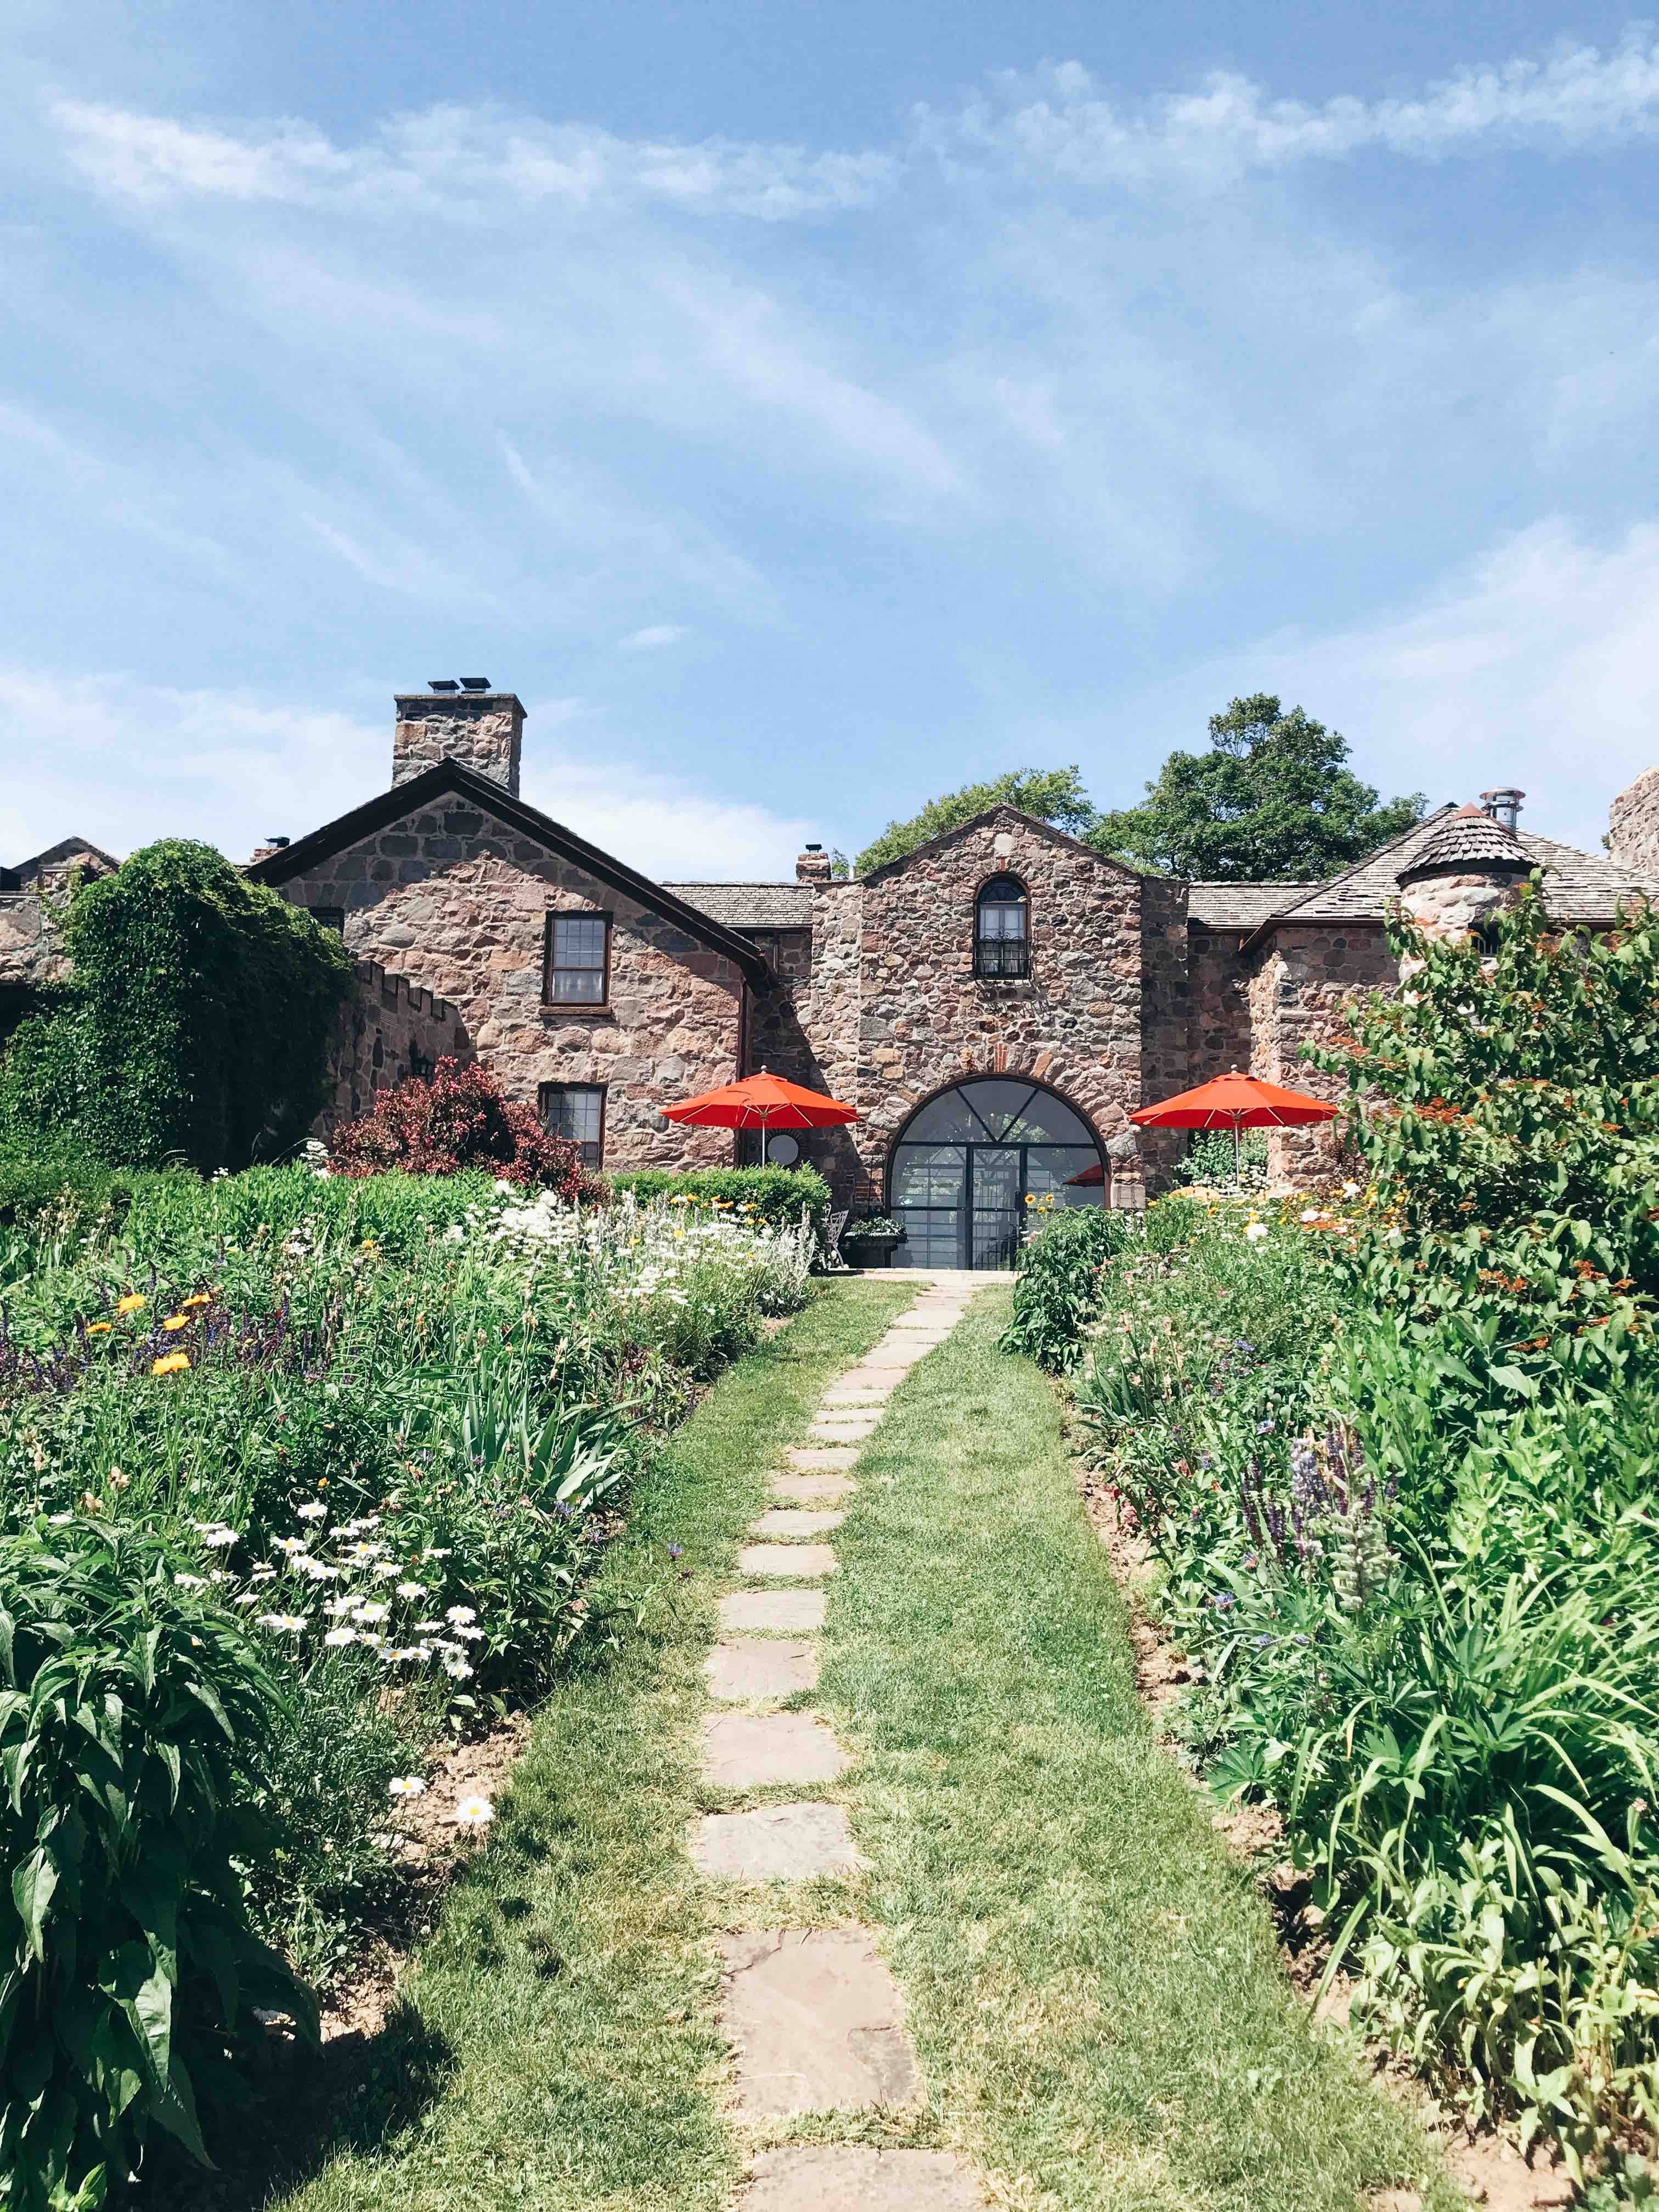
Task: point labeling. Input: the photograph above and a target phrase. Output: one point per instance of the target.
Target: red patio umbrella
(761, 1102)
(1236, 1102)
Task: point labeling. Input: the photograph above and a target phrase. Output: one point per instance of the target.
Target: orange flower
(132, 1303)
(171, 1363)
(176, 1321)
(98, 1329)
(201, 1298)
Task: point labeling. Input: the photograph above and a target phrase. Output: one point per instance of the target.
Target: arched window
(1001, 941)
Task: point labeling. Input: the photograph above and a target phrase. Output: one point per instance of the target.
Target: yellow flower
(170, 1363)
(132, 1303)
(176, 1321)
(201, 1298)
(98, 1329)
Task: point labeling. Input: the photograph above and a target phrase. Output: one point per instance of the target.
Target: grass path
(557, 2051)
(1093, 1988)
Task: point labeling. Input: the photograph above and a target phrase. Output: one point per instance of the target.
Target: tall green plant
(198, 1024)
(127, 1972)
(1507, 1111)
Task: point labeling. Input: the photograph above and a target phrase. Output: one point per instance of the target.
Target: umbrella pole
(1235, 1167)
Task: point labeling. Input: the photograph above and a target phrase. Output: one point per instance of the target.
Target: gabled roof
(453, 778)
(64, 854)
(750, 906)
(1578, 886)
(1003, 811)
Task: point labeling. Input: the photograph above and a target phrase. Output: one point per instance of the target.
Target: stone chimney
(458, 718)
(1464, 869)
(812, 867)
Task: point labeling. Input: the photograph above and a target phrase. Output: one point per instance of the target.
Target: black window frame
(550, 969)
(329, 917)
(590, 1148)
(1001, 959)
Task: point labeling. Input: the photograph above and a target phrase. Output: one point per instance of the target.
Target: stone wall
(458, 903)
(926, 1021)
(805, 1026)
(482, 730)
(1166, 1027)
(388, 1028)
(1633, 824)
(1446, 908)
(1300, 991)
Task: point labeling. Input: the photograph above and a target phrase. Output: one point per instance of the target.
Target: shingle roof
(750, 906)
(1467, 838)
(1578, 887)
(1237, 906)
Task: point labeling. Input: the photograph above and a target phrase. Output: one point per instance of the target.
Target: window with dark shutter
(578, 961)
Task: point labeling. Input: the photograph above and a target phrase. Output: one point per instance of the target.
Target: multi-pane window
(578, 959)
(1001, 940)
(576, 1111)
(329, 917)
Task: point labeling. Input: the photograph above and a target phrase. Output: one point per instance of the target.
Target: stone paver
(816, 2022)
(810, 1489)
(767, 1666)
(759, 1750)
(853, 2178)
(774, 1843)
(785, 1521)
(773, 1612)
(805, 1457)
(803, 1562)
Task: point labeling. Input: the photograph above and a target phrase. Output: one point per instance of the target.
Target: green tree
(1053, 794)
(196, 1024)
(1271, 800)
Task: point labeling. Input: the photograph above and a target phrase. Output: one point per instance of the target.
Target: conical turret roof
(1468, 839)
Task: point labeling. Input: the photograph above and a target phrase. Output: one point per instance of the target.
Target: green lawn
(557, 2048)
(1093, 1987)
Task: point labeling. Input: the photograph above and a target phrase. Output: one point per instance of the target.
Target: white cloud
(456, 158)
(122, 763)
(1538, 665)
(653, 636)
(1058, 118)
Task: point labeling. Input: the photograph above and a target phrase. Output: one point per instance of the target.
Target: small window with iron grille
(1001, 945)
(577, 967)
(575, 1111)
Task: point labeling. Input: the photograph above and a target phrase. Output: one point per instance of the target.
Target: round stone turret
(1468, 868)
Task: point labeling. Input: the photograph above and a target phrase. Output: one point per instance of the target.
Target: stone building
(996, 1004)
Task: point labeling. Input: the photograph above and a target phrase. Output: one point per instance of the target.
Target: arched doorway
(966, 1163)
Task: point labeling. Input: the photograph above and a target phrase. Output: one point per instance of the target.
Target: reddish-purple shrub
(459, 1118)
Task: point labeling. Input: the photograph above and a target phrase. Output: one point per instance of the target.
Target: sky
(811, 408)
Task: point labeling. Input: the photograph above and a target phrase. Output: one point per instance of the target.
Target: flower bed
(1391, 1449)
(359, 1443)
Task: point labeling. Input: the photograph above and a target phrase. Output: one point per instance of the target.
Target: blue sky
(809, 408)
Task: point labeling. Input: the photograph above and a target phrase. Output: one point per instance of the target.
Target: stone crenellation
(1633, 825)
(388, 1028)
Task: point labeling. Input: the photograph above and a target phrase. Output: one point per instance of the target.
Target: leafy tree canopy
(1271, 800)
(1053, 794)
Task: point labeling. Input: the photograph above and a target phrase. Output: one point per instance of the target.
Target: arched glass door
(966, 1163)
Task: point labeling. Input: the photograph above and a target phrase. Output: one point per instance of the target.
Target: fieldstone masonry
(1138, 986)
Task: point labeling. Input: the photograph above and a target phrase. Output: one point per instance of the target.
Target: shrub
(773, 1195)
(1506, 1112)
(461, 1118)
(129, 1972)
(197, 1024)
(1209, 1158)
(1057, 1292)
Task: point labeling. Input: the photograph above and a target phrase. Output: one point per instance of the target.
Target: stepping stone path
(813, 2015)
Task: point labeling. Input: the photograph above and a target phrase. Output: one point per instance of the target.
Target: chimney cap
(442, 683)
(814, 848)
(278, 844)
(475, 684)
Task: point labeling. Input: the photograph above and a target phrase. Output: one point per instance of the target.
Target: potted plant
(872, 1243)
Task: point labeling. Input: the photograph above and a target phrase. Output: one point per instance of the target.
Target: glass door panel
(929, 1201)
(997, 1199)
